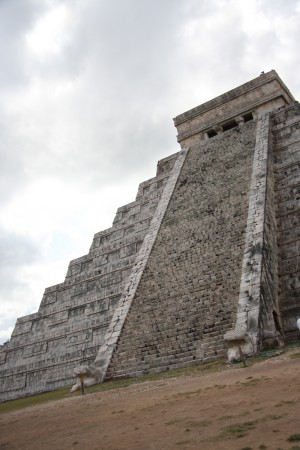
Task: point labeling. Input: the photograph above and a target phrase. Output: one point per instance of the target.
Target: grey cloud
(12, 175)
(132, 69)
(282, 9)
(16, 18)
(113, 49)
(16, 250)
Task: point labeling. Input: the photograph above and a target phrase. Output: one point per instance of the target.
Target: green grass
(294, 344)
(272, 417)
(190, 424)
(251, 382)
(187, 394)
(174, 421)
(198, 423)
(237, 429)
(240, 429)
(118, 412)
(294, 438)
(285, 402)
(200, 369)
(295, 355)
(59, 394)
(24, 402)
(226, 417)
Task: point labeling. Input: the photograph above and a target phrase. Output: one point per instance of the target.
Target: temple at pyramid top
(254, 98)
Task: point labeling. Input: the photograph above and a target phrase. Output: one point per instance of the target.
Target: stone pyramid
(203, 265)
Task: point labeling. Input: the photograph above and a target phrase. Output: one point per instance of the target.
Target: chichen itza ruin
(204, 261)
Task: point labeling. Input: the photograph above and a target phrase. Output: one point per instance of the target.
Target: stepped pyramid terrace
(202, 265)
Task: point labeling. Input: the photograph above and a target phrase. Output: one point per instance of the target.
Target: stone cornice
(231, 95)
(252, 106)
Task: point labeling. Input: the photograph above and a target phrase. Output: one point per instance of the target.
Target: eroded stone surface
(201, 253)
(286, 130)
(253, 307)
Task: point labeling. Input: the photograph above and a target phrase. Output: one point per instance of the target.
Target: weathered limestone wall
(74, 316)
(257, 321)
(187, 296)
(269, 306)
(286, 130)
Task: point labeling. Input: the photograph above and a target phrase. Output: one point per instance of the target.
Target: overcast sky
(88, 90)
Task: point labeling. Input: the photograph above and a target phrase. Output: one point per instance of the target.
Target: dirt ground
(257, 407)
